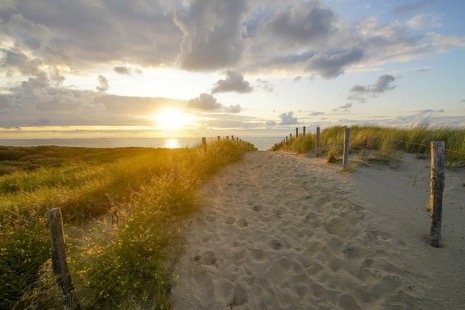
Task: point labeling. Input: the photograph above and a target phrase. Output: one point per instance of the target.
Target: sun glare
(172, 120)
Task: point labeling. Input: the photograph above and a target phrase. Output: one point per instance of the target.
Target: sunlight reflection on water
(172, 143)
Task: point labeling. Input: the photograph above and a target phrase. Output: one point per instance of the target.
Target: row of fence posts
(437, 179)
(204, 140)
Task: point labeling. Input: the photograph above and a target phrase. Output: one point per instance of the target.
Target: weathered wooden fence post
(345, 159)
(436, 190)
(303, 131)
(317, 141)
(297, 132)
(219, 138)
(59, 263)
(204, 143)
(287, 139)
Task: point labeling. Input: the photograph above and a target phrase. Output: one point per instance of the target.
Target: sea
(262, 143)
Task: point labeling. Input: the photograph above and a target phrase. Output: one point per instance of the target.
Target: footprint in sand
(209, 258)
(275, 245)
(242, 223)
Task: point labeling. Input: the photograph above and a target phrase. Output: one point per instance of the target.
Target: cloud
(425, 21)
(55, 31)
(382, 84)
(265, 85)
(126, 71)
(234, 82)
(316, 113)
(233, 109)
(205, 102)
(410, 7)
(295, 38)
(102, 86)
(212, 32)
(271, 123)
(345, 107)
(330, 65)
(303, 23)
(424, 69)
(431, 111)
(288, 118)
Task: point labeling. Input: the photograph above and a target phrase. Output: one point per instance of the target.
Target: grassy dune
(385, 140)
(123, 265)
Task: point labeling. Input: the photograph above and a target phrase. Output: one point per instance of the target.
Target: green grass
(113, 266)
(386, 141)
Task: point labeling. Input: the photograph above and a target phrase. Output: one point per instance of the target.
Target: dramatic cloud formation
(288, 118)
(382, 84)
(212, 33)
(52, 50)
(234, 82)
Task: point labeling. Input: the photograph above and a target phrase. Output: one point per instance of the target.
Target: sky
(164, 68)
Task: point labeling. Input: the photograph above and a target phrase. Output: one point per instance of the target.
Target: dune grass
(126, 265)
(385, 140)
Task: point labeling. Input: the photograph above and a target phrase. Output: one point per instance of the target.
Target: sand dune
(279, 231)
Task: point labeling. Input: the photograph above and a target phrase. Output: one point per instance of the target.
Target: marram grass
(113, 266)
(385, 140)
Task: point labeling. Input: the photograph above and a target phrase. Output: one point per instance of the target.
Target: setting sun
(172, 120)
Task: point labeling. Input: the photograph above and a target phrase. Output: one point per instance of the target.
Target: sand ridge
(277, 231)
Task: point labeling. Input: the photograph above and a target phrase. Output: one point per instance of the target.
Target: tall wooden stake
(317, 141)
(219, 138)
(303, 131)
(436, 190)
(345, 158)
(297, 132)
(59, 263)
(204, 143)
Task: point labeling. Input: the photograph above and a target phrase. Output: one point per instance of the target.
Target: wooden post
(345, 160)
(303, 131)
(436, 190)
(232, 138)
(317, 141)
(286, 140)
(204, 143)
(227, 137)
(59, 263)
(297, 132)
(219, 138)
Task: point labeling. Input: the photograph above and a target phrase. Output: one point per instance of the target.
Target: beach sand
(285, 231)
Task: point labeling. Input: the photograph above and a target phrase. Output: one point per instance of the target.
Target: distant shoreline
(262, 143)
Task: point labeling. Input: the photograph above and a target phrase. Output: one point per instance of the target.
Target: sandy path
(278, 231)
